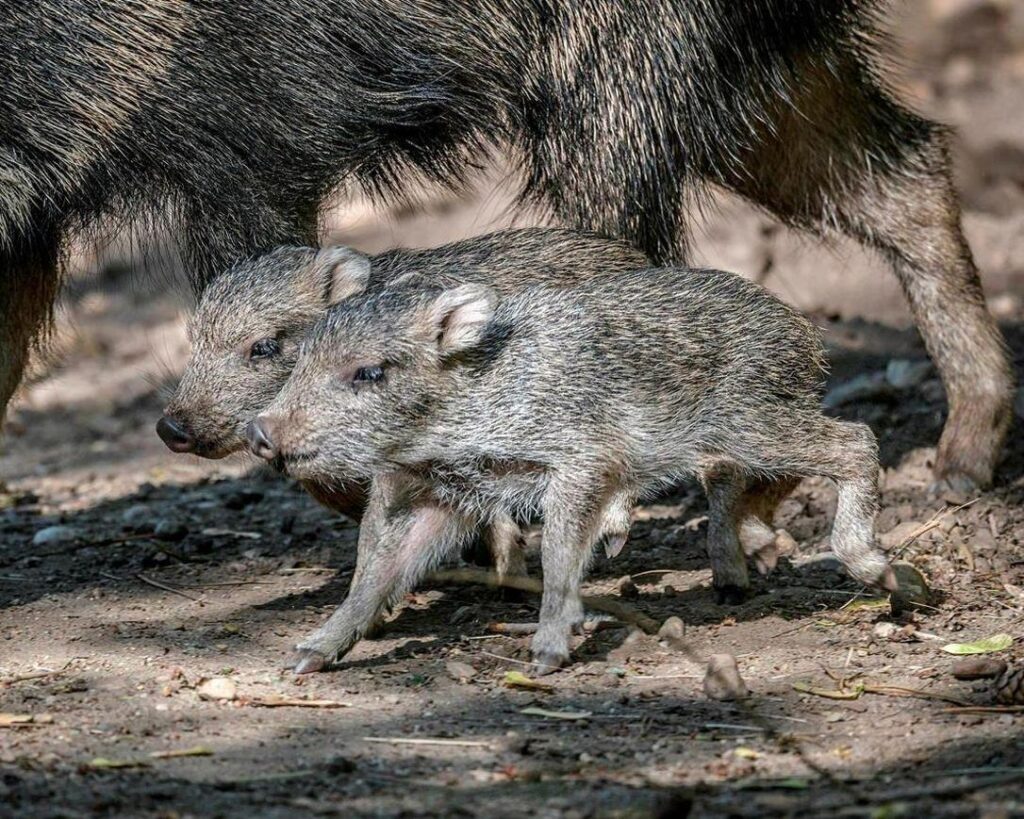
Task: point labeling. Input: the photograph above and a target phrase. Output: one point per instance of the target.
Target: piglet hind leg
(811, 444)
(395, 552)
(725, 485)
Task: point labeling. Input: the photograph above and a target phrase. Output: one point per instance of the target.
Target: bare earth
(169, 572)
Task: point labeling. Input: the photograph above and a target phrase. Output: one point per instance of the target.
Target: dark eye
(264, 348)
(367, 375)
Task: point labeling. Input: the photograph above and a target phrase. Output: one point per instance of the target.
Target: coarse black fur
(238, 120)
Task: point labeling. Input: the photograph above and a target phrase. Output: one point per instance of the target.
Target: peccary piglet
(246, 330)
(466, 406)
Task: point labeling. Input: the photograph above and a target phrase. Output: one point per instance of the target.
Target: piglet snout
(261, 435)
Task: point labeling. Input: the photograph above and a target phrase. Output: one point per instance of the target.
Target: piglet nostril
(261, 442)
(174, 434)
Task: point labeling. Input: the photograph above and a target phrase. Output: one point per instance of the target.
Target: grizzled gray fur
(467, 406)
(238, 120)
(250, 321)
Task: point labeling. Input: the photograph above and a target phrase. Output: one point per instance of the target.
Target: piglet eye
(367, 375)
(264, 348)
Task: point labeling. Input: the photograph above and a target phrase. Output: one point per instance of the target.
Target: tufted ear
(459, 316)
(342, 272)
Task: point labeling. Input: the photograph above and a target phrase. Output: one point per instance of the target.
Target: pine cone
(1009, 686)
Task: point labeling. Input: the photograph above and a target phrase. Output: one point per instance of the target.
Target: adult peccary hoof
(309, 662)
(912, 592)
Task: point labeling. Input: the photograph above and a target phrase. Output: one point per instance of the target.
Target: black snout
(261, 438)
(173, 433)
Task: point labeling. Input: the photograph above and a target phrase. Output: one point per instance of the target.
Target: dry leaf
(866, 603)
(516, 679)
(997, 642)
(102, 763)
(830, 693)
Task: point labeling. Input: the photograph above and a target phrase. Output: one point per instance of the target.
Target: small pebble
(722, 680)
(137, 518)
(462, 672)
(884, 630)
(672, 629)
(217, 688)
(339, 765)
(55, 535)
(170, 530)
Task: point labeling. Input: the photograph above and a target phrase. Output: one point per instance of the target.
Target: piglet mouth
(293, 463)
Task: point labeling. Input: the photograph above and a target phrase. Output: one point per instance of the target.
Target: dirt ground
(131, 578)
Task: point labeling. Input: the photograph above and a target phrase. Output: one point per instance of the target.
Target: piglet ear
(459, 316)
(342, 272)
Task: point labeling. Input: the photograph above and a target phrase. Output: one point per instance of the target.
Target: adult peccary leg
(395, 550)
(843, 154)
(29, 282)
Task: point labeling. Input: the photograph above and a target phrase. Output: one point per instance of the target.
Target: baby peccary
(246, 330)
(466, 407)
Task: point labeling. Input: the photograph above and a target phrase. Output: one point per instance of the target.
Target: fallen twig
(984, 709)
(291, 702)
(182, 752)
(842, 692)
(157, 584)
(588, 626)
(933, 791)
(33, 675)
(619, 611)
(454, 743)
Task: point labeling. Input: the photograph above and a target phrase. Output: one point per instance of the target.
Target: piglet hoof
(546, 662)
(731, 595)
(613, 545)
(766, 559)
(310, 661)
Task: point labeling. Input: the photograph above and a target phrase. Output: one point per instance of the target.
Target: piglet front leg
(396, 548)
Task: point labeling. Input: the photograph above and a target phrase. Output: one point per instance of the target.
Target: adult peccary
(574, 403)
(250, 320)
(239, 118)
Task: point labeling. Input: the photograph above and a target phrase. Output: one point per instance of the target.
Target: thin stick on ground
(158, 585)
(453, 743)
(619, 611)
